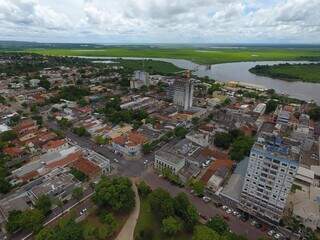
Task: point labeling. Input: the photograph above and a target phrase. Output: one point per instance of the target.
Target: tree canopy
(115, 193)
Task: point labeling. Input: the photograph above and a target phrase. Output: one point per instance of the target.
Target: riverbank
(200, 56)
(290, 72)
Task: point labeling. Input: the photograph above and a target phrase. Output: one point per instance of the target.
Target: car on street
(253, 223)
(271, 233)
(235, 213)
(224, 207)
(278, 236)
(115, 160)
(146, 162)
(206, 199)
(229, 211)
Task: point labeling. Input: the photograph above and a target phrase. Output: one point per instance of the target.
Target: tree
(46, 234)
(8, 136)
(198, 187)
(146, 148)
(101, 140)
(77, 193)
(241, 148)
(44, 204)
(115, 193)
(78, 175)
(32, 220)
(144, 189)
(185, 210)
(14, 221)
(80, 131)
(180, 132)
(110, 221)
(64, 123)
(171, 226)
(195, 121)
(161, 203)
(271, 106)
(218, 225)
(314, 113)
(223, 140)
(45, 84)
(204, 233)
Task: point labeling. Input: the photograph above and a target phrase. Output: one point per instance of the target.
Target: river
(239, 71)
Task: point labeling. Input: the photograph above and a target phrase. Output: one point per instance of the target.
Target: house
(55, 146)
(87, 167)
(218, 171)
(130, 145)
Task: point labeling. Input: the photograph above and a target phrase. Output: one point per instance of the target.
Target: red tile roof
(65, 161)
(13, 151)
(87, 167)
(130, 139)
(53, 144)
(222, 160)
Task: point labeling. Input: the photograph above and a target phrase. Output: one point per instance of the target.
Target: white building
(139, 79)
(183, 93)
(167, 160)
(260, 108)
(269, 177)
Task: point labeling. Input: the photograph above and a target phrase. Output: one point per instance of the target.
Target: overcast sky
(161, 21)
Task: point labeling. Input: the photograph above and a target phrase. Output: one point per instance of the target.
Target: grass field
(290, 72)
(147, 220)
(210, 56)
(151, 66)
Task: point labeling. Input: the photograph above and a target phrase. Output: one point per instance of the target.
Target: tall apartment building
(139, 79)
(183, 93)
(270, 173)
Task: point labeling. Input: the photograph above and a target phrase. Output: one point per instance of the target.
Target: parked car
(278, 236)
(229, 211)
(224, 207)
(271, 233)
(235, 213)
(253, 223)
(206, 199)
(258, 225)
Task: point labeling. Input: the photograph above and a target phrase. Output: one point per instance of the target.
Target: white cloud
(161, 20)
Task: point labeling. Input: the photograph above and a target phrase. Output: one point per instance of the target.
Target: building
(139, 79)
(260, 108)
(183, 93)
(165, 159)
(271, 170)
(55, 146)
(130, 145)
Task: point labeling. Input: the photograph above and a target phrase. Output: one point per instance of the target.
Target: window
(292, 167)
(284, 164)
(276, 161)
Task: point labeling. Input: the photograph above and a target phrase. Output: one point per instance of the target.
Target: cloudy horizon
(156, 21)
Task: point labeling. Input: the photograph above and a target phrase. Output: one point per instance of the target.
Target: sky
(161, 21)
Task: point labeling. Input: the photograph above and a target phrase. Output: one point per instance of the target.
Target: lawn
(151, 66)
(290, 72)
(147, 220)
(203, 56)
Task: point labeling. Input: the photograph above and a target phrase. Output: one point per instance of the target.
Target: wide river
(239, 71)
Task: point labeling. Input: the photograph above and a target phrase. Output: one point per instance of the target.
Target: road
(205, 209)
(55, 214)
(136, 168)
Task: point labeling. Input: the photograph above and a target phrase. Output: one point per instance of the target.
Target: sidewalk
(127, 230)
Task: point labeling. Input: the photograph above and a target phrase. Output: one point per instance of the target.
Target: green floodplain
(201, 56)
(290, 72)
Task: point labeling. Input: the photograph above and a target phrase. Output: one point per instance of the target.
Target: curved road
(127, 230)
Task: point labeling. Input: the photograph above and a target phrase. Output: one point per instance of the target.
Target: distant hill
(20, 45)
